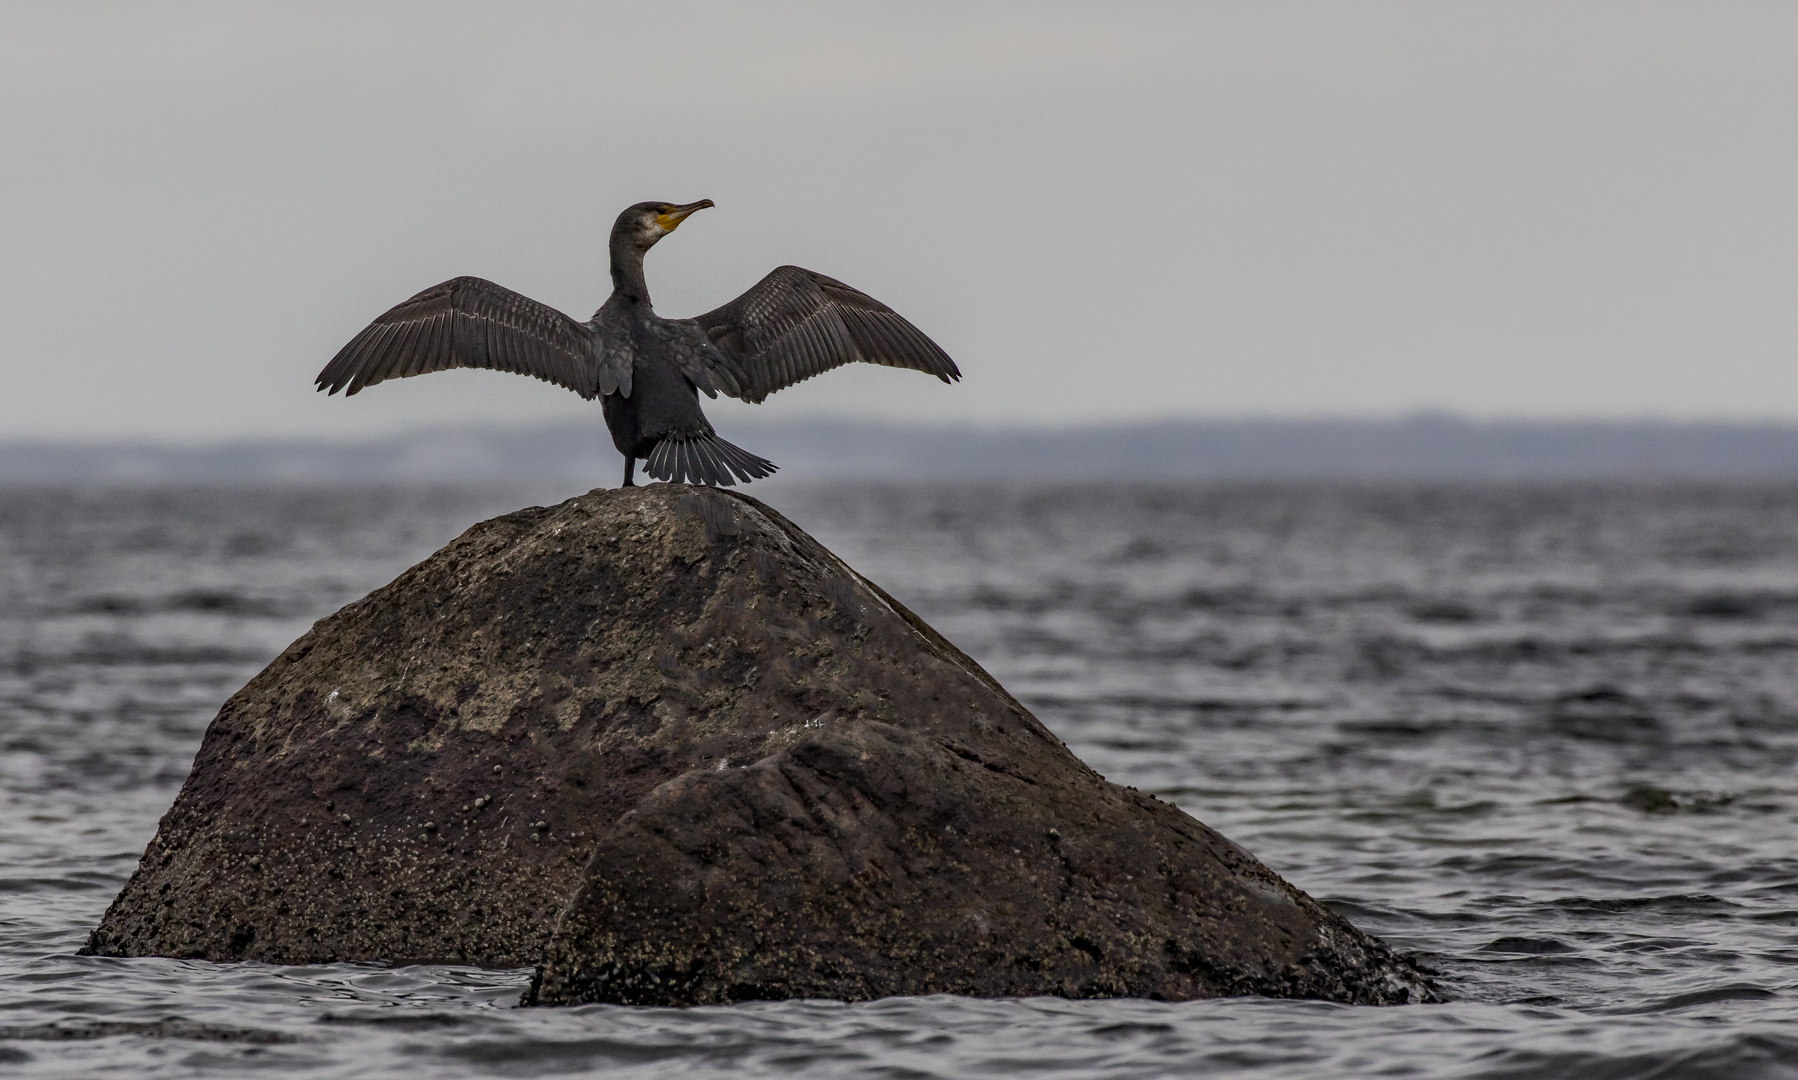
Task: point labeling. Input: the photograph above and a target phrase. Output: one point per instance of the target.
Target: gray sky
(1103, 211)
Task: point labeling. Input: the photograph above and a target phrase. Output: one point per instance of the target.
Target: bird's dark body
(647, 371)
(663, 404)
(663, 401)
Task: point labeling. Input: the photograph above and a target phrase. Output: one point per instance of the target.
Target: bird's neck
(627, 271)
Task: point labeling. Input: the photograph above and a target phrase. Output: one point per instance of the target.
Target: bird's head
(647, 222)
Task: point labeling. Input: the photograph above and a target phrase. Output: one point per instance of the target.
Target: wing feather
(794, 324)
(508, 350)
(467, 322)
(406, 348)
(482, 342)
(425, 348)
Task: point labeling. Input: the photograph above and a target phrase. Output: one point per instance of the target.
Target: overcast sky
(1103, 211)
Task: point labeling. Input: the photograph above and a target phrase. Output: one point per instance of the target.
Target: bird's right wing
(468, 322)
(794, 324)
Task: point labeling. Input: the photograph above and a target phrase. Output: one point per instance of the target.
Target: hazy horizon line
(1430, 446)
(1411, 418)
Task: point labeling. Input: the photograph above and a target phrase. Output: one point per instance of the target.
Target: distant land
(1425, 447)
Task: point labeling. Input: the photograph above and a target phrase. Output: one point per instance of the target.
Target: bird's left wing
(794, 324)
(468, 322)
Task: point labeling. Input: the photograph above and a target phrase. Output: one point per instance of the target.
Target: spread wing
(467, 322)
(795, 324)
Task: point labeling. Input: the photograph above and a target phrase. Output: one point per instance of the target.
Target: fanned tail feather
(705, 459)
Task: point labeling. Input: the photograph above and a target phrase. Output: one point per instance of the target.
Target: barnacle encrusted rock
(664, 745)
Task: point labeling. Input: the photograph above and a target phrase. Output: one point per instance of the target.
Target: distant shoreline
(1419, 448)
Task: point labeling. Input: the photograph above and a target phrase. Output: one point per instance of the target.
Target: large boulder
(663, 744)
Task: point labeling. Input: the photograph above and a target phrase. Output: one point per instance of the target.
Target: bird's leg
(630, 471)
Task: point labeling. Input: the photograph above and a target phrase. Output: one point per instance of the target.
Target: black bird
(647, 371)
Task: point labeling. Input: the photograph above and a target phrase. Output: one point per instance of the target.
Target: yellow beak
(670, 219)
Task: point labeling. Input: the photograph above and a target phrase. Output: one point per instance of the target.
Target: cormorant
(647, 371)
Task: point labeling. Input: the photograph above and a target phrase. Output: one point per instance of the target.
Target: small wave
(587, 1053)
(1650, 799)
(144, 1029)
(1682, 903)
(1161, 703)
(1445, 611)
(430, 1021)
(1731, 606)
(203, 601)
(62, 883)
(1706, 997)
(124, 653)
(1526, 946)
(1604, 714)
(1742, 1058)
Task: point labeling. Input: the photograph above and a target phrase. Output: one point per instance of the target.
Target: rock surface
(660, 742)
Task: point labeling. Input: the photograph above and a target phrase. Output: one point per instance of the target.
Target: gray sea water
(1543, 736)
